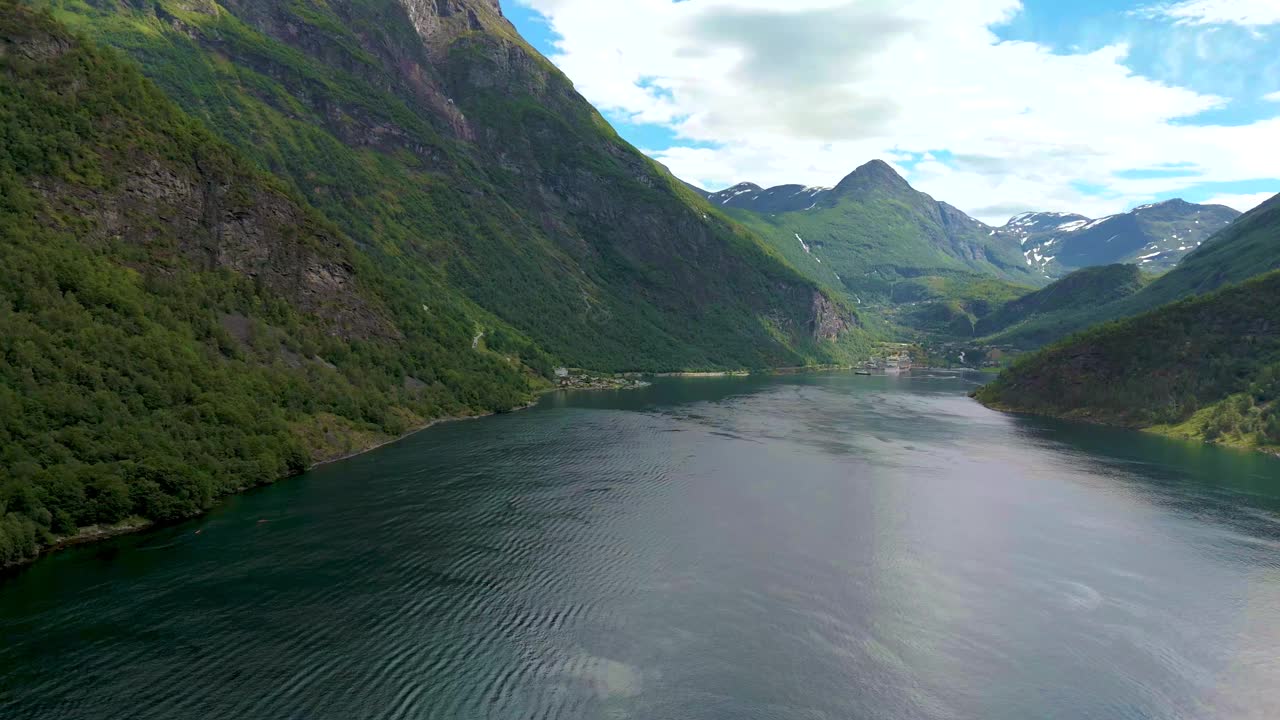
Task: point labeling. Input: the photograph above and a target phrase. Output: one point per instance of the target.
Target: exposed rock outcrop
(830, 321)
(231, 222)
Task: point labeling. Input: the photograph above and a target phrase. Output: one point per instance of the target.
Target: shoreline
(1153, 430)
(133, 526)
(704, 374)
(408, 434)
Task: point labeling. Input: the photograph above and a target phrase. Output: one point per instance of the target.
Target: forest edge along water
(578, 381)
(582, 381)
(573, 381)
(131, 526)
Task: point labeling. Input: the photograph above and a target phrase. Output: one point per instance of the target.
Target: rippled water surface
(825, 547)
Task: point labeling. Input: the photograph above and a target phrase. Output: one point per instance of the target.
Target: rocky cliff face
(829, 320)
(213, 212)
(221, 219)
(440, 22)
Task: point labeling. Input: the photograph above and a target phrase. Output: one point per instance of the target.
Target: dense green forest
(1203, 367)
(143, 370)
(1038, 317)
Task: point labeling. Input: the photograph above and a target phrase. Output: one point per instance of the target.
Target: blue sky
(535, 28)
(998, 106)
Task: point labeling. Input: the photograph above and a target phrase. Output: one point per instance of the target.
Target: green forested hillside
(1038, 316)
(455, 156)
(1203, 367)
(173, 324)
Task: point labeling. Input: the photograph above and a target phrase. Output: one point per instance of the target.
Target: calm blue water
(823, 547)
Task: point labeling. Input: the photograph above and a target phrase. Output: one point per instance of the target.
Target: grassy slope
(1204, 367)
(874, 242)
(516, 193)
(152, 355)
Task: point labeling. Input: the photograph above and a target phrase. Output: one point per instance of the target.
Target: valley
(797, 450)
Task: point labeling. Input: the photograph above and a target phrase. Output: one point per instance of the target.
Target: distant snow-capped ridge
(1155, 236)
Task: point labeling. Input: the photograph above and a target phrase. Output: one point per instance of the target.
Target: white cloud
(1243, 203)
(1273, 97)
(1249, 13)
(805, 91)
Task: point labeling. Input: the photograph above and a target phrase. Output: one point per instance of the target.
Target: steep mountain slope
(873, 231)
(454, 155)
(185, 313)
(1210, 364)
(1153, 236)
(1251, 245)
(1247, 247)
(1078, 292)
(174, 324)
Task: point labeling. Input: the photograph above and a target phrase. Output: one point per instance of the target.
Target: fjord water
(827, 546)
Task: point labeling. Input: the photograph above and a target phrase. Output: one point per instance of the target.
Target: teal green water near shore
(826, 546)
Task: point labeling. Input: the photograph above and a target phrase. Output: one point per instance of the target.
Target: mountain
(454, 155)
(1208, 367)
(1250, 245)
(1155, 236)
(273, 233)
(1081, 291)
(872, 233)
(784, 198)
(175, 324)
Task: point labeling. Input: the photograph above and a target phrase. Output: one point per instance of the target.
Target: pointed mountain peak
(876, 165)
(872, 175)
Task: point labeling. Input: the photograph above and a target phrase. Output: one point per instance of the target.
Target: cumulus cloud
(1243, 203)
(804, 91)
(1249, 13)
